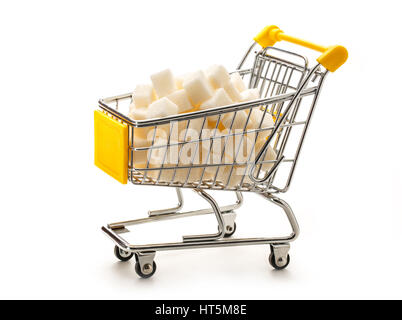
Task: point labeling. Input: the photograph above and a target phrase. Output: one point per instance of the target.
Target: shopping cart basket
(289, 91)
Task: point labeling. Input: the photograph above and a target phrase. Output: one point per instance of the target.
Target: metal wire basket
(185, 151)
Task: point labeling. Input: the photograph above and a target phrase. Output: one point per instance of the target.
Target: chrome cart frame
(289, 91)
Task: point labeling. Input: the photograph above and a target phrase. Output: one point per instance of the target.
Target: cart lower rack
(289, 91)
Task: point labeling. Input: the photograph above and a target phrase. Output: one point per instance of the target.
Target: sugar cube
(269, 155)
(250, 94)
(138, 113)
(143, 95)
(179, 82)
(237, 81)
(169, 158)
(220, 98)
(238, 118)
(237, 176)
(223, 141)
(131, 107)
(239, 148)
(211, 146)
(217, 76)
(181, 78)
(188, 130)
(162, 108)
(140, 157)
(197, 124)
(163, 82)
(233, 93)
(180, 98)
(197, 88)
(259, 119)
(181, 175)
(212, 171)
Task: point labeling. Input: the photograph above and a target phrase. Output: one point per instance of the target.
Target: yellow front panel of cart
(111, 146)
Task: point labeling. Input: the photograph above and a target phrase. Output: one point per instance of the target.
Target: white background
(59, 57)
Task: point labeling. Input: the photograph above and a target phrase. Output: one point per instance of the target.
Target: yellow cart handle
(332, 57)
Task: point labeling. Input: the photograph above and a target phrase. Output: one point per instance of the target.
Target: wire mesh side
(215, 150)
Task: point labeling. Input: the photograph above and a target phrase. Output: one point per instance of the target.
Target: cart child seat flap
(111, 146)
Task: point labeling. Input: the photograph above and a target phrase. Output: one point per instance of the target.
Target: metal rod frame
(267, 71)
(113, 230)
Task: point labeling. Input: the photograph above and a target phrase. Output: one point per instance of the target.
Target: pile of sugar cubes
(201, 90)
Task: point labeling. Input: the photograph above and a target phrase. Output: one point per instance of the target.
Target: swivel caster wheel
(146, 271)
(122, 255)
(229, 230)
(279, 257)
(145, 265)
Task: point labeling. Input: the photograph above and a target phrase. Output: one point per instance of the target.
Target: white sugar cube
(161, 133)
(211, 153)
(212, 145)
(217, 76)
(237, 81)
(239, 120)
(131, 107)
(164, 83)
(210, 103)
(190, 152)
(143, 95)
(168, 156)
(250, 94)
(197, 88)
(162, 108)
(222, 98)
(219, 99)
(269, 155)
(261, 119)
(188, 131)
(179, 82)
(233, 93)
(180, 98)
(141, 132)
(157, 157)
(181, 175)
(239, 148)
(140, 157)
(160, 152)
(197, 124)
(138, 113)
(223, 143)
(211, 172)
(180, 79)
(237, 176)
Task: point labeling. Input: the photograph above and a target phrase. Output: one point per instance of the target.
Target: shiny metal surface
(153, 213)
(146, 259)
(178, 214)
(221, 242)
(289, 93)
(280, 252)
(283, 84)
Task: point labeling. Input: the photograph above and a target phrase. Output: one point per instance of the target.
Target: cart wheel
(230, 232)
(122, 255)
(147, 271)
(272, 262)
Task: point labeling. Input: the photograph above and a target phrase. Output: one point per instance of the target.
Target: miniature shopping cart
(289, 90)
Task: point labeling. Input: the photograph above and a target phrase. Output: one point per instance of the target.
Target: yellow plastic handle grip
(332, 57)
